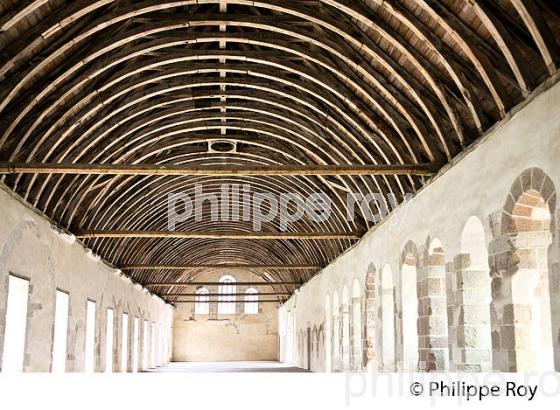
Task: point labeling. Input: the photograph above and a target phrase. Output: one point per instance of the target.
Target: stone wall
(226, 337)
(31, 247)
(480, 242)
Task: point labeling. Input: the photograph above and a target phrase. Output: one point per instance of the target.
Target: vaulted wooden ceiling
(239, 82)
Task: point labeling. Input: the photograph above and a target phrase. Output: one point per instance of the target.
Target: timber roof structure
(242, 83)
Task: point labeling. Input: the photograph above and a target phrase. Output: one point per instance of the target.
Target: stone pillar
(345, 316)
(141, 348)
(473, 329)
(554, 281)
(356, 361)
(398, 326)
(521, 332)
(370, 342)
(40, 327)
(453, 311)
(555, 306)
(432, 315)
(213, 308)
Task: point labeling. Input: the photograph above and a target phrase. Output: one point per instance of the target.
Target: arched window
(226, 300)
(202, 305)
(251, 301)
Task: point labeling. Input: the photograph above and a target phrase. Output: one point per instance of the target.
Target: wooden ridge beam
(220, 266)
(423, 169)
(171, 284)
(220, 235)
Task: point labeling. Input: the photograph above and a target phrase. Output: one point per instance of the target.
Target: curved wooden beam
(545, 40)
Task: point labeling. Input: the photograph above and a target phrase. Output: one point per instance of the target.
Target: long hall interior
(279, 186)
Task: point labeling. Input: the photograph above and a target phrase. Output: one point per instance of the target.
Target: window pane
(16, 324)
(90, 337)
(202, 307)
(109, 341)
(251, 301)
(124, 343)
(226, 299)
(60, 332)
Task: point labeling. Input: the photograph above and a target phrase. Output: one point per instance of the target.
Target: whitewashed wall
(32, 248)
(476, 184)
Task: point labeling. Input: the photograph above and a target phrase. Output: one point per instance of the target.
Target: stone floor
(227, 367)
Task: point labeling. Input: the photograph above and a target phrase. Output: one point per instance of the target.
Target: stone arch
(531, 191)
(409, 307)
(345, 333)
(388, 319)
(356, 333)
(522, 335)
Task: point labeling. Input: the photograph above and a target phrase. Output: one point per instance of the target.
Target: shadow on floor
(227, 367)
